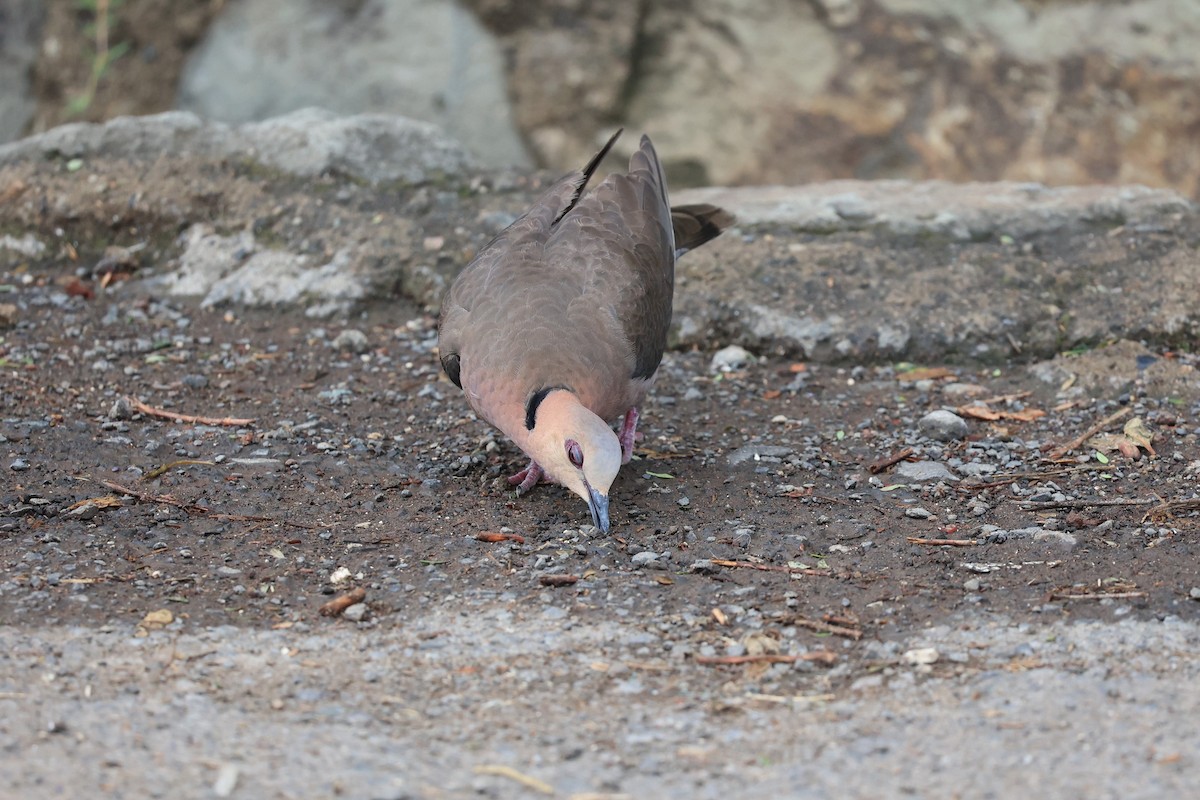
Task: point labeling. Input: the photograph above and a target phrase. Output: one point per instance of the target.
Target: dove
(558, 325)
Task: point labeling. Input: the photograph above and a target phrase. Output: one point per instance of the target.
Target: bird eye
(575, 453)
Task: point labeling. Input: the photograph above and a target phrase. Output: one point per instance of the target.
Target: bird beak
(598, 505)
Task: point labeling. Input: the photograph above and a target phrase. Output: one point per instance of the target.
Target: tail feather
(696, 224)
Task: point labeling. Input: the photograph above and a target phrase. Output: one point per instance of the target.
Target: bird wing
(620, 234)
(522, 242)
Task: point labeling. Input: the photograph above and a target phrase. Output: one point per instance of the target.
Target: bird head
(578, 449)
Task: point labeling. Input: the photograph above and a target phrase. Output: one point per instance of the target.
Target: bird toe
(527, 478)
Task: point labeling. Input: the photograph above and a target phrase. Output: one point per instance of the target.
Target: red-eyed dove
(560, 322)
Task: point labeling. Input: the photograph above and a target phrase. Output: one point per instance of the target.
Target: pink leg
(527, 478)
(628, 434)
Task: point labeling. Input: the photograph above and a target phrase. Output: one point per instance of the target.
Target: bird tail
(696, 224)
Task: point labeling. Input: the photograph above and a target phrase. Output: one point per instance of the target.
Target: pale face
(579, 450)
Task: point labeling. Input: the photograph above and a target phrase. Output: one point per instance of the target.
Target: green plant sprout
(105, 54)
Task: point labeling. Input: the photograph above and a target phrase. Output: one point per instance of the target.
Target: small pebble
(86, 511)
(730, 359)
(921, 655)
(646, 558)
(353, 340)
(942, 425)
(923, 472)
(1062, 538)
(356, 612)
(226, 782)
(120, 409)
(19, 465)
(917, 513)
(971, 585)
(756, 452)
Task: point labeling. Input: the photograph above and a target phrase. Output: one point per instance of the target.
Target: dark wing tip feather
(596, 159)
(588, 170)
(450, 363)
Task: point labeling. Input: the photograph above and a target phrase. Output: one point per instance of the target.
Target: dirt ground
(369, 461)
(363, 470)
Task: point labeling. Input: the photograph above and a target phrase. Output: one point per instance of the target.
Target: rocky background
(734, 91)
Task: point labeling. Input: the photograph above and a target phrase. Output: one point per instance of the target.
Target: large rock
(889, 270)
(570, 68)
(777, 91)
(751, 92)
(308, 142)
(852, 271)
(430, 61)
(963, 211)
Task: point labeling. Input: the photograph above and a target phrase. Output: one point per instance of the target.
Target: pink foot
(527, 478)
(628, 434)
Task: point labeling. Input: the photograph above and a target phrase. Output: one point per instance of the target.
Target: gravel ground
(767, 616)
(593, 707)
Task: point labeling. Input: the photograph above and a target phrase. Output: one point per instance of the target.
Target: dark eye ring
(575, 453)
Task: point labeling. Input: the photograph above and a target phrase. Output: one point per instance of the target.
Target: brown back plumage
(576, 293)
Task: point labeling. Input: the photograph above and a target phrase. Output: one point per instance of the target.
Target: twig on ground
(943, 542)
(665, 455)
(1168, 507)
(148, 497)
(1005, 480)
(558, 580)
(194, 508)
(165, 468)
(198, 420)
(875, 467)
(758, 697)
(721, 562)
(339, 604)
(1062, 450)
(823, 656)
(1033, 504)
(527, 781)
(1096, 595)
(1004, 398)
(826, 627)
